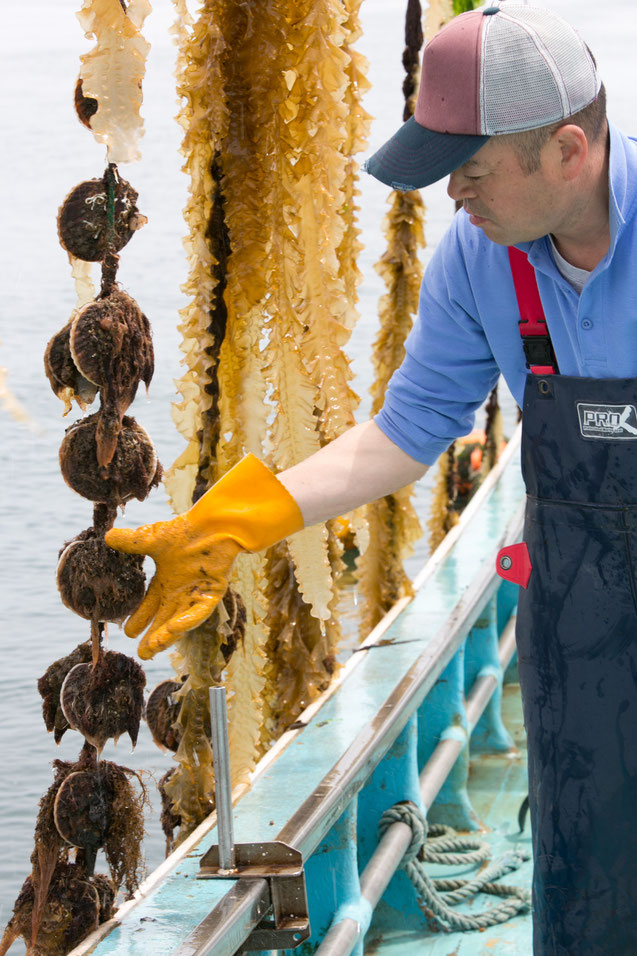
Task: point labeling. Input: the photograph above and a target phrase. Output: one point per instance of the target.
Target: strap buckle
(538, 351)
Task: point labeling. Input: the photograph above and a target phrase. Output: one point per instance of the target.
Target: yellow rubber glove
(246, 510)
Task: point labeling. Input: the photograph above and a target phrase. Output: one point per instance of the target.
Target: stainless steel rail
(343, 936)
(232, 920)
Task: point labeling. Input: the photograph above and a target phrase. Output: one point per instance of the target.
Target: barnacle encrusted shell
(97, 582)
(105, 700)
(111, 345)
(65, 379)
(132, 472)
(83, 227)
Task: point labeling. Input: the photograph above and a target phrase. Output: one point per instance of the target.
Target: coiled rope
(441, 844)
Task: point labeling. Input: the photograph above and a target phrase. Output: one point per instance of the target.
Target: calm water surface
(44, 153)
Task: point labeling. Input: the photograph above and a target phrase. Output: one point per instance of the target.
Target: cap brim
(416, 156)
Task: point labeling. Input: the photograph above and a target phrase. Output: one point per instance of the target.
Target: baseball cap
(500, 69)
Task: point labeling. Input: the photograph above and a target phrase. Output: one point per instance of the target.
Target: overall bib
(577, 659)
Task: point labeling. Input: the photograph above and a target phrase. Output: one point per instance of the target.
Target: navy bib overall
(577, 658)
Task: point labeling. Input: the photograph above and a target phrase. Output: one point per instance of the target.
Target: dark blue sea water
(44, 152)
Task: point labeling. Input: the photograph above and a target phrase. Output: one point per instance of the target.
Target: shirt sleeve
(448, 369)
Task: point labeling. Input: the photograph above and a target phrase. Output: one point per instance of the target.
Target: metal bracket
(282, 867)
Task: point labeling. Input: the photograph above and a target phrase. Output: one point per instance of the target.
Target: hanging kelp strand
(268, 142)
(494, 433)
(443, 516)
(203, 117)
(199, 662)
(112, 72)
(393, 524)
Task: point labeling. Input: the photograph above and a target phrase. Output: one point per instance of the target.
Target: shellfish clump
(111, 347)
(104, 700)
(111, 344)
(98, 583)
(75, 906)
(132, 472)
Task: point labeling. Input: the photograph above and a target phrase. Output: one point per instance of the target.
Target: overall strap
(538, 348)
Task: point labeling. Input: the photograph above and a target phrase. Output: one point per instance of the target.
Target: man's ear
(570, 148)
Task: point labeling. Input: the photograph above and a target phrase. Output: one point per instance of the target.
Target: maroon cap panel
(449, 94)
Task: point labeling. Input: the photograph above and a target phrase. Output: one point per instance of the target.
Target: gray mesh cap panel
(534, 73)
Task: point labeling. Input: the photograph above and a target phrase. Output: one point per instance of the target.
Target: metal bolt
(506, 562)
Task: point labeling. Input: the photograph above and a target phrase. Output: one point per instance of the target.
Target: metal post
(221, 764)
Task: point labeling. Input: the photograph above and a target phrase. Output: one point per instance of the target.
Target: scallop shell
(105, 700)
(161, 713)
(97, 582)
(132, 472)
(169, 819)
(50, 685)
(110, 340)
(81, 811)
(63, 375)
(83, 219)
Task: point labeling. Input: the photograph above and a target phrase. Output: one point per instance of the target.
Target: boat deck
(497, 787)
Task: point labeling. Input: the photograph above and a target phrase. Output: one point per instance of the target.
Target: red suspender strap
(540, 358)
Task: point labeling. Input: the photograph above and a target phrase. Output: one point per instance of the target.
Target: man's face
(507, 203)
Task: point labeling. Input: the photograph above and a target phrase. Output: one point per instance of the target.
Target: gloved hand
(246, 510)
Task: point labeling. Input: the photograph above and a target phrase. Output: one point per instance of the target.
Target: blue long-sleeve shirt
(466, 332)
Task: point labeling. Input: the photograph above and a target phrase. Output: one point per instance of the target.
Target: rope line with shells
(104, 349)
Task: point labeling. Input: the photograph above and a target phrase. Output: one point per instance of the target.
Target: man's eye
(480, 176)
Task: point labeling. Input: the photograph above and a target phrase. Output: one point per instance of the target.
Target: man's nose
(459, 187)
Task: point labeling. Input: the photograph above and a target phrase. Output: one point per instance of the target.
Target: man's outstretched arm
(363, 464)
(250, 509)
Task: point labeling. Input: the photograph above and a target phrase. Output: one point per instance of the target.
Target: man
(511, 107)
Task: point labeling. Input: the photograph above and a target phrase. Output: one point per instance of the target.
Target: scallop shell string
(94, 808)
